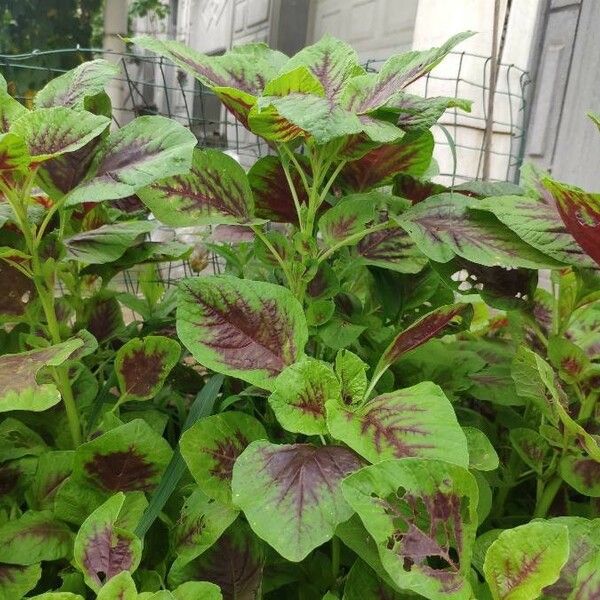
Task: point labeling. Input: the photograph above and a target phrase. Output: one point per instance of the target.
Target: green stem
(292, 187)
(331, 181)
(265, 240)
(547, 497)
(292, 155)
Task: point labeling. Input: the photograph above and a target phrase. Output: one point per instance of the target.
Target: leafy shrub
(366, 435)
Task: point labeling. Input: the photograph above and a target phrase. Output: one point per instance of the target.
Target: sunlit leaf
(16, 580)
(13, 152)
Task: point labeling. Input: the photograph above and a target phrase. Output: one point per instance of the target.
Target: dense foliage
(375, 399)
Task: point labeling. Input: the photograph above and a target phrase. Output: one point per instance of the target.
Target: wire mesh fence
(151, 85)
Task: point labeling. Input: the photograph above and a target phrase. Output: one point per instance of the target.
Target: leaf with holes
(13, 153)
(211, 446)
(106, 243)
(300, 393)
(142, 366)
(584, 546)
(411, 155)
(50, 132)
(526, 559)
(444, 226)
(72, 88)
(423, 518)
(272, 193)
(130, 457)
(416, 421)
(366, 93)
(104, 547)
(143, 151)
(247, 329)
(201, 523)
(293, 488)
(19, 387)
(580, 212)
(17, 580)
(235, 563)
(537, 221)
(442, 320)
(215, 191)
(582, 473)
(34, 537)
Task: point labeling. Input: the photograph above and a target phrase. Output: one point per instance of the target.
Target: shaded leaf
(482, 455)
(351, 372)
(18, 384)
(416, 421)
(246, 329)
(531, 447)
(582, 473)
(18, 291)
(142, 365)
(211, 447)
(524, 560)
(587, 585)
(300, 393)
(10, 109)
(18, 440)
(423, 517)
(214, 191)
(293, 488)
(102, 316)
(419, 114)
(363, 584)
(143, 151)
(17, 580)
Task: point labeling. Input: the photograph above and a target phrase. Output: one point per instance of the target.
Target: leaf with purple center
(414, 113)
(423, 518)
(351, 372)
(411, 155)
(526, 559)
(143, 151)
(17, 580)
(215, 191)
(445, 225)
(106, 243)
(72, 88)
(19, 387)
(131, 457)
(246, 329)
(580, 212)
(103, 547)
(211, 446)
(418, 421)
(568, 359)
(582, 473)
(531, 447)
(442, 320)
(33, 538)
(300, 393)
(51, 132)
(235, 564)
(201, 523)
(102, 316)
(142, 366)
(293, 488)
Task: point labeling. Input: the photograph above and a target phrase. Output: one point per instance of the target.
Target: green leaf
(526, 559)
(587, 585)
(103, 547)
(482, 455)
(53, 468)
(120, 587)
(143, 151)
(211, 447)
(234, 563)
(298, 80)
(352, 374)
(75, 86)
(215, 191)
(416, 421)
(570, 360)
(200, 525)
(369, 92)
(198, 590)
(537, 221)
(34, 537)
(130, 457)
(531, 447)
(293, 489)
(17, 440)
(300, 393)
(363, 584)
(445, 225)
(419, 114)
(13, 153)
(19, 387)
(10, 109)
(106, 243)
(349, 218)
(51, 132)
(58, 596)
(15, 580)
(330, 60)
(582, 473)
(411, 155)
(142, 366)
(420, 513)
(246, 329)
